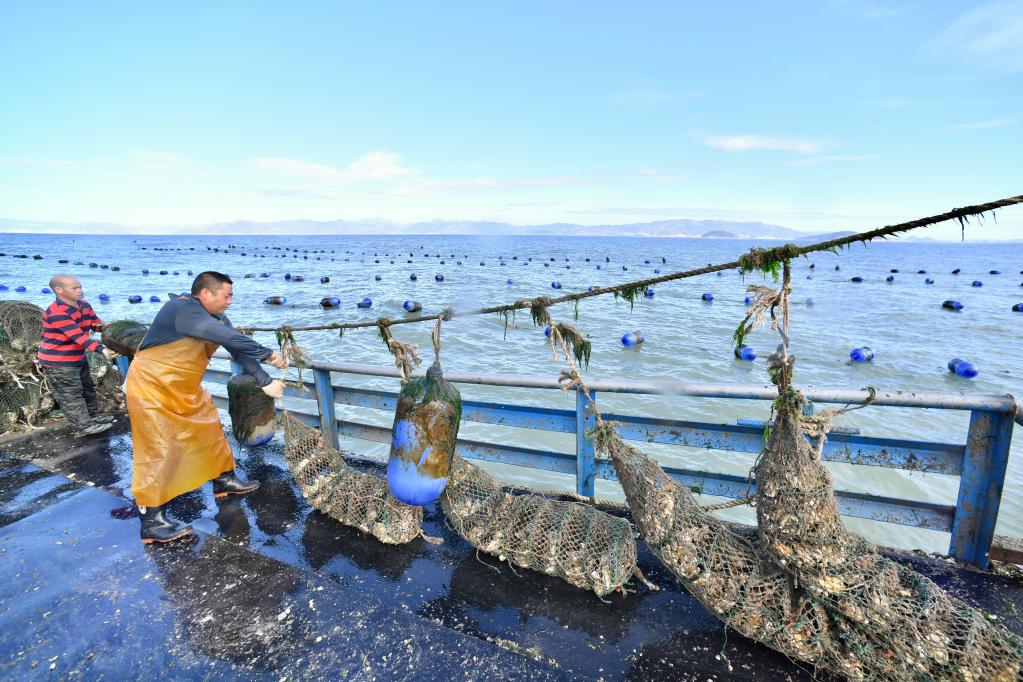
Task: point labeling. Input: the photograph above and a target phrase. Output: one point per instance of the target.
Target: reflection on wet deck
(271, 588)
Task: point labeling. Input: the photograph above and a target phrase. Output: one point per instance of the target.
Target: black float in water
(411, 306)
(324, 280)
(275, 300)
(952, 305)
(330, 302)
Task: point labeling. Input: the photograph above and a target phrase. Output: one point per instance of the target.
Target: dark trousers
(75, 393)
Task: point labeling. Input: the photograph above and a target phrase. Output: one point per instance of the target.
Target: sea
(686, 338)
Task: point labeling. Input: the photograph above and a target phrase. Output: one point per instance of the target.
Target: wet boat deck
(272, 589)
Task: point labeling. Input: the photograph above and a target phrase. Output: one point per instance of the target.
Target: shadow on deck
(272, 589)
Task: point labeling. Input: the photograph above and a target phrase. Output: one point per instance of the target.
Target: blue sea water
(687, 338)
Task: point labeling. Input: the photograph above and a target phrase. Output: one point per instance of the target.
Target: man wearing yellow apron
(178, 442)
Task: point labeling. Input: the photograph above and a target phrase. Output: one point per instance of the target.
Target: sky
(817, 116)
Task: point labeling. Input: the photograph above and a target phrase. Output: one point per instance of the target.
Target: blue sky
(813, 115)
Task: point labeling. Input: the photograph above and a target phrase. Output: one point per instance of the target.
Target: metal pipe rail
(980, 462)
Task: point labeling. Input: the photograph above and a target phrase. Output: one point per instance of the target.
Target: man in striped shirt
(67, 324)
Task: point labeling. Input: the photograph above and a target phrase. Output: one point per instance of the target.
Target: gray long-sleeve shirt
(184, 316)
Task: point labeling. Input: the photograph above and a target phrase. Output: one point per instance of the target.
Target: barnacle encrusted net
(352, 497)
(579, 543)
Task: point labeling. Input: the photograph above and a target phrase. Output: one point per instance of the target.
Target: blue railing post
(585, 468)
(980, 486)
(325, 404)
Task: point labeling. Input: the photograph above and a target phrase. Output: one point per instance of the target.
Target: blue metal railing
(980, 462)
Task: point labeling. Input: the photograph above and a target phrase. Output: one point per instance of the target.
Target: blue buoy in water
(962, 368)
(1018, 308)
(324, 280)
(952, 305)
(287, 276)
(104, 297)
(411, 306)
(275, 300)
(377, 278)
(633, 338)
(708, 297)
(856, 279)
(890, 278)
(412, 277)
(598, 267)
(4, 287)
(746, 353)
(144, 271)
(365, 303)
(508, 281)
(994, 272)
(547, 330)
(863, 354)
(928, 281)
(21, 289)
(956, 271)
(45, 290)
(649, 293)
(657, 272)
(977, 283)
(330, 302)
(135, 299)
(747, 300)
(154, 299)
(555, 285)
(439, 278)
(809, 276)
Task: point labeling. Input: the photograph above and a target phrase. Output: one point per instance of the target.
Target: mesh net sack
(23, 397)
(581, 544)
(252, 411)
(727, 573)
(333, 487)
(21, 325)
(935, 635)
(124, 336)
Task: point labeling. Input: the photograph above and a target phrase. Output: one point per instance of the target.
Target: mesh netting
(585, 546)
(333, 487)
(21, 325)
(252, 411)
(933, 634)
(124, 336)
(25, 399)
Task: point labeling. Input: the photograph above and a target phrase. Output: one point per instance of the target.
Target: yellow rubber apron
(178, 442)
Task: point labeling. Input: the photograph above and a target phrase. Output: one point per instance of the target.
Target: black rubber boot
(156, 527)
(228, 483)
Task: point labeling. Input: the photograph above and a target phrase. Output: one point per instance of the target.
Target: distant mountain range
(710, 229)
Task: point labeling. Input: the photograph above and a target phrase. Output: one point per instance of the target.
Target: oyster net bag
(333, 487)
(22, 394)
(581, 544)
(933, 634)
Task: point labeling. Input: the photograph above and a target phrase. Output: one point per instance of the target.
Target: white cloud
(741, 143)
(991, 35)
(814, 160)
(982, 125)
(373, 166)
(161, 161)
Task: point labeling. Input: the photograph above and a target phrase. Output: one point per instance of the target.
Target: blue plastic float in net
(633, 338)
(962, 368)
(863, 354)
(746, 353)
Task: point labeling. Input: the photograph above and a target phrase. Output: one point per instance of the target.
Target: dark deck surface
(271, 589)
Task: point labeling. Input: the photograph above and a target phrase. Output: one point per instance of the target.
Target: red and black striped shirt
(66, 333)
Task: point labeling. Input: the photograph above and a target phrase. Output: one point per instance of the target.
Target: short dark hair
(209, 280)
